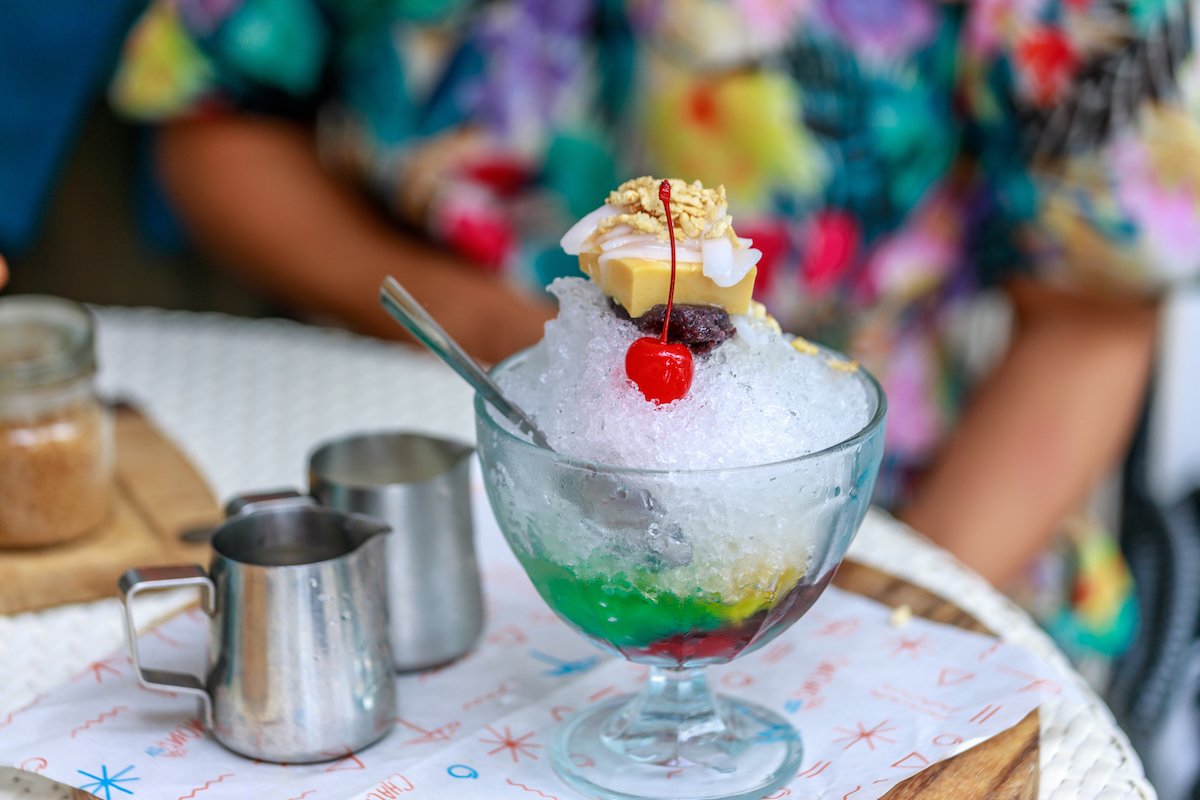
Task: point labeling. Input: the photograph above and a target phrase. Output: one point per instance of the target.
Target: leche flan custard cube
(639, 284)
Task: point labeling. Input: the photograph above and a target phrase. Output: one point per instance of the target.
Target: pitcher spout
(362, 530)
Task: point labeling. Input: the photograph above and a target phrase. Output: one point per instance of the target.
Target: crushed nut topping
(804, 346)
(759, 311)
(696, 212)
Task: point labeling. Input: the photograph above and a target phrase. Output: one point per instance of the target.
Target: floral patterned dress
(889, 157)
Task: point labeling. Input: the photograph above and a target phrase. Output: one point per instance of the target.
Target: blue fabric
(1154, 691)
(54, 59)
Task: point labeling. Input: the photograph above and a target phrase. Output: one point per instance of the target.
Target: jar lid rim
(44, 340)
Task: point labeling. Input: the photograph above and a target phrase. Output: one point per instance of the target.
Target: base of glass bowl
(622, 750)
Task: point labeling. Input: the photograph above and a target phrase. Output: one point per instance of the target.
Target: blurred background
(81, 214)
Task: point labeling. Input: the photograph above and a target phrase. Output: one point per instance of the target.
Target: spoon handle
(413, 316)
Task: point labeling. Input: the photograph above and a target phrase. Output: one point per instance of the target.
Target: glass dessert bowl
(679, 570)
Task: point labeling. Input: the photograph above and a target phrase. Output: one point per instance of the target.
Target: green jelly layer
(629, 611)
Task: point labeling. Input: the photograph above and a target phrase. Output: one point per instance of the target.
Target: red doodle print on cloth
(558, 712)
(947, 739)
(509, 634)
(778, 652)
(864, 735)
(920, 698)
(107, 715)
(167, 640)
(605, 692)
(853, 791)
(302, 796)
(511, 782)
(495, 694)
(951, 676)
(205, 787)
(840, 627)
(913, 760)
(9, 717)
(815, 770)
(1035, 683)
(348, 761)
(912, 701)
(174, 743)
(782, 793)
(582, 761)
(34, 765)
(433, 672)
(986, 713)
(391, 787)
(99, 669)
(442, 733)
(516, 745)
(911, 646)
(1054, 687)
(821, 676)
(737, 680)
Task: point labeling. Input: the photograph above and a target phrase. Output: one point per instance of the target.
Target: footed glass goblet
(678, 570)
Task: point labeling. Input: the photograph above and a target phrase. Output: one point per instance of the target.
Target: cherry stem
(664, 194)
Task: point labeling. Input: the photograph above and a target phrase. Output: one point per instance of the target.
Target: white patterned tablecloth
(247, 399)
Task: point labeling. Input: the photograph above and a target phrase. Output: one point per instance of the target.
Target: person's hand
(3, 272)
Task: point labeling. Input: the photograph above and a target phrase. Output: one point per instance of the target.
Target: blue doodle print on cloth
(561, 667)
(777, 733)
(107, 782)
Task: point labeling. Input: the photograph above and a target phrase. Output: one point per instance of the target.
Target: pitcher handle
(270, 498)
(142, 579)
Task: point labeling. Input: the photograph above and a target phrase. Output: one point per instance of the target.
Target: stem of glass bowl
(674, 720)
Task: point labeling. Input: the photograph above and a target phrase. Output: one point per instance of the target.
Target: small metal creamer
(299, 665)
(418, 485)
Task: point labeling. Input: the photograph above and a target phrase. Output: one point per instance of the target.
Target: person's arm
(253, 192)
(1052, 419)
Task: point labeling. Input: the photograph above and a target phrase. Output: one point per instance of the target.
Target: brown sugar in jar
(56, 448)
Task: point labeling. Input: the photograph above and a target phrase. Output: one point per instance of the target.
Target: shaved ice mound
(756, 399)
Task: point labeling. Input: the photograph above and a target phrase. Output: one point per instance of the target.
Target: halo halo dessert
(681, 531)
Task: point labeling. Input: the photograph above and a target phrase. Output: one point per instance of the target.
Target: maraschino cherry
(662, 371)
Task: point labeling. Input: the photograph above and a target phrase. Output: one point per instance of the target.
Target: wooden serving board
(1004, 767)
(157, 495)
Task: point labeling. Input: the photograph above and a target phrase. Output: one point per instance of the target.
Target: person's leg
(1056, 413)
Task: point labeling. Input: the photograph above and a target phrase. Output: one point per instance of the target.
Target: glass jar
(56, 439)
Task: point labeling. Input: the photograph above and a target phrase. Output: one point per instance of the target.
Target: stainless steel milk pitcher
(420, 486)
(299, 665)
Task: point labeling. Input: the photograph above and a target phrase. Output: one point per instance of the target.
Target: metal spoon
(405, 309)
(613, 505)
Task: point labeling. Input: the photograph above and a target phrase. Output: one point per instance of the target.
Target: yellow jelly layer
(639, 284)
